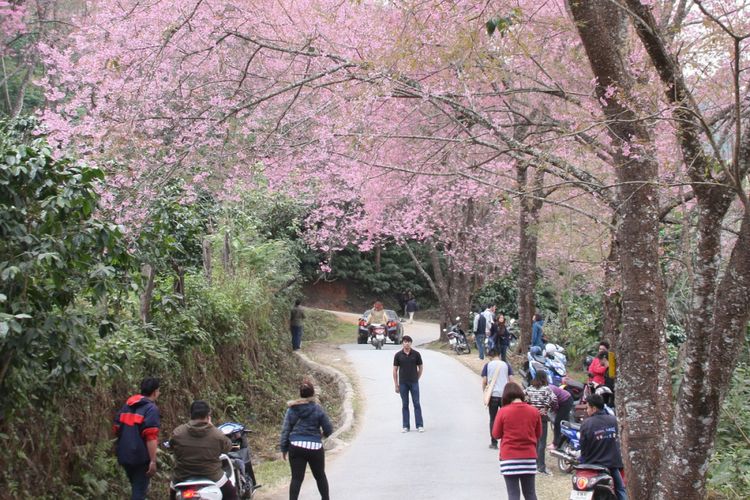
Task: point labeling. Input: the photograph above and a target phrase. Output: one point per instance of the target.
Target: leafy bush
(55, 257)
(729, 473)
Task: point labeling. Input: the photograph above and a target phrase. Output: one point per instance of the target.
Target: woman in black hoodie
(301, 439)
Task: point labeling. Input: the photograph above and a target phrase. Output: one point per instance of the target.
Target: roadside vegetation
(199, 297)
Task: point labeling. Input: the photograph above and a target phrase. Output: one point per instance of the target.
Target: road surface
(450, 460)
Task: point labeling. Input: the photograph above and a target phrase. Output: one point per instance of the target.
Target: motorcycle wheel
(562, 464)
(467, 350)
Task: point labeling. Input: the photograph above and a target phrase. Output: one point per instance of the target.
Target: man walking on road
(407, 370)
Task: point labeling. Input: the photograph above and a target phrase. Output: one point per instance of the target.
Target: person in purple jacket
(561, 407)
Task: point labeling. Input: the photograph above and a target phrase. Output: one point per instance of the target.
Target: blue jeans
(404, 388)
(503, 350)
(138, 480)
(296, 337)
(479, 338)
(619, 484)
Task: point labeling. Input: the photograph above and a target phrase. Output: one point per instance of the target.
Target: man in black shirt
(407, 369)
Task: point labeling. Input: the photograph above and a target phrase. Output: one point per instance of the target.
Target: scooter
(592, 482)
(457, 339)
(205, 488)
(570, 446)
(240, 453)
(377, 335)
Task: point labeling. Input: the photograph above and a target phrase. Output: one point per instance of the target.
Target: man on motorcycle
(377, 315)
(197, 446)
(599, 442)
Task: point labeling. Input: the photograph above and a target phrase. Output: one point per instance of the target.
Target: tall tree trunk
(226, 255)
(612, 300)
(178, 286)
(644, 416)
(720, 307)
(528, 223)
(378, 256)
(452, 289)
(207, 260)
(149, 273)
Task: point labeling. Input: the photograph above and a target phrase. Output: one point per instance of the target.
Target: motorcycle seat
(592, 467)
(193, 481)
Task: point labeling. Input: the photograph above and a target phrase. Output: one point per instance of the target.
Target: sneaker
(405, 429)
(493, 446)
(420, 429)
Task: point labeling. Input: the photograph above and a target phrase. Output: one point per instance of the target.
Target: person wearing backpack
(136, 427)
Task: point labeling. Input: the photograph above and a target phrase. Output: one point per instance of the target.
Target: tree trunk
(207, 263)
(377, 258)
(644, 413)
(530, 206)
(148, 272)
(452, 289)
(226, 255)
(720, 307)
(612, 300)
(178, 286)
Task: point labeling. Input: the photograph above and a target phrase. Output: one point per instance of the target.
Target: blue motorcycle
(537, 361)
(570, 446)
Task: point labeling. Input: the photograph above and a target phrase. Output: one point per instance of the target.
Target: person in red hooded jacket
(599, 366)
(136, 427)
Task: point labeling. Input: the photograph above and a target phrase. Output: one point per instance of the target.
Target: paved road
(450, 460)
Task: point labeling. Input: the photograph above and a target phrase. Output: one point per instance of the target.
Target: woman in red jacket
(598, 368)
(518, 427)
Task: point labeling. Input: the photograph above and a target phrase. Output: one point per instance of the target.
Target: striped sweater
(541, 398)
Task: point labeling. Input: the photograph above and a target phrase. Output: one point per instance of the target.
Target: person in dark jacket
(136, 427)
(599, 442)
(300, 439)
(411, 307)
(295, 323)
(537, 331)
(197, 446)
(502, 337)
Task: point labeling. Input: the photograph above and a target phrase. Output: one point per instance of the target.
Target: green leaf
(491, 25)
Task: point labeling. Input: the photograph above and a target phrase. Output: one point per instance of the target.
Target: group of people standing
(519, 420)
(488, 326)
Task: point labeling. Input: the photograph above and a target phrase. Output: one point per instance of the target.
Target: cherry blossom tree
(402, 122)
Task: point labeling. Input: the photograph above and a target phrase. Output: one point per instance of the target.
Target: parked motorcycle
(240, 453)
(536, 361)
(457, 338)
(592, 482)
(377, 335)
(570, 446)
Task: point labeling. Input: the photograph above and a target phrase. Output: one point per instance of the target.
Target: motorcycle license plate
(452, 341)
(581, 495)
(380, 336)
